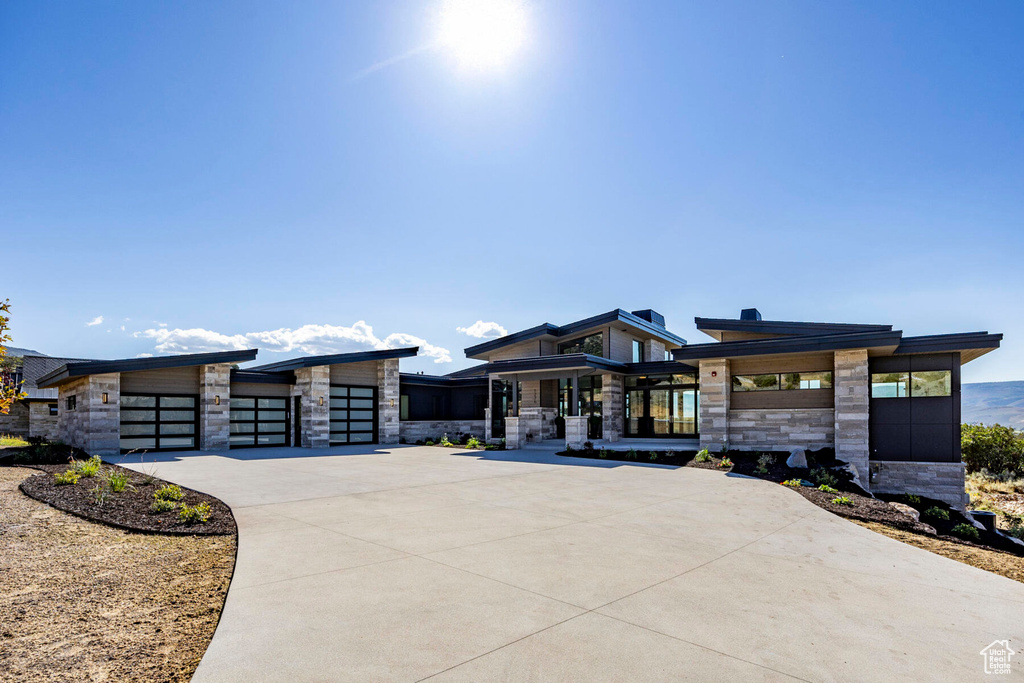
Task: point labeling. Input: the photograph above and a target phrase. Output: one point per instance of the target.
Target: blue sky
(205, 175)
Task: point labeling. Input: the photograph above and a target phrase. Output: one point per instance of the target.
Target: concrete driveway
(413, 563)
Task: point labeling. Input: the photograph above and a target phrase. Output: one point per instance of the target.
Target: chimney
(750, 314)
(651, 316)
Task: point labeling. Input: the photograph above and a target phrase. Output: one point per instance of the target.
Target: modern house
(888, 404)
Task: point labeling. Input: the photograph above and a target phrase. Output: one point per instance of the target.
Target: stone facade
(41, 422)
(17, 421)
(531, 425)
(851, 382)
(781, 429)
(654, 350)
(421, 430)
(388, 425)
(93, 426)
(514, 438)
(575, 431)
(939, 480)
(214, 417)
(313, 385)
(714, 404)
(611, 407)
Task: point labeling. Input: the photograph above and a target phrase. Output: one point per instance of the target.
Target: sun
(482, 34)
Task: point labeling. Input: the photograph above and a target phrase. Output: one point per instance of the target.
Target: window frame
(581, 342)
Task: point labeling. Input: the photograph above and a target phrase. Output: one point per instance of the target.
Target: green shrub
(764, 461)
(161, 505)
(603, 453)
(196, 514)
(169, 492)
(935, 512)
(118, 481)
(965, 531)
(827, 489)
(822, 476)
(795, 483)
(101, 493)
(703, 456)
(88, 468)
(445, 441)
(473, 442)
(66, 478)
(995, 448)
(726, 462)
(429, 443)
(911, 499)
(1015, 526)
(653, 456)
(842, 500)
(588, 445)
(631, 454)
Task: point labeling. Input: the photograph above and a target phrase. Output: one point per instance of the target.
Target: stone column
(575, 431)
(388, 401)
(92, 425)
(611, 408)
(654, 350)
(214, 418)
(513, 438)
(714, 404)
(851, 382)
(313, 385)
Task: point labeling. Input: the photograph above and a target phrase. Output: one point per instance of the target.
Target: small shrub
(995, 448)
(703, 456)
(66, 478)
(88, 468)
(827, 489)
(473, 442)
(169, 492)
(912, 500)
(603, 453)
(822, 476)
(795, 483)
(966, 531)
(1015, 527)
(842, 500)
(631, 454)
(196, 514)
(726, 462)
(161, 505)
(429, 443)
(724, 449)
(118, 481)
(588, 445)
(653, 456)
(101, 493)
(764, 461)
(935, 512)
(445, 441)
(569, 448)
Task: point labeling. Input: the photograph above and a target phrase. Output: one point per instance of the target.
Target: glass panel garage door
(258, 421)
(159, 423)
(353, 414)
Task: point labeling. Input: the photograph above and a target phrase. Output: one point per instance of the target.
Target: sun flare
(482, 34)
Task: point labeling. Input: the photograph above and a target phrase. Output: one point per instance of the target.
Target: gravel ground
(81, 601)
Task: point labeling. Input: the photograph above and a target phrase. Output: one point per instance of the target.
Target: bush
(603, 453)
(66, 478)
(588, 445)
(795, 483)
(118, 481)
(965, 531)
(1015, 526)
(653, 456)
(822, 476)
(429, 443)
(764, 461)
(935, 512)
(473, 442)
(827, 489)
(169, 492)
(88, 468)
(995, 448)
(726, 462)
(911, 499)
(703, 456)
(842, 500)
(196, 514)
(445, 441)
(161, 505)
(631, 454)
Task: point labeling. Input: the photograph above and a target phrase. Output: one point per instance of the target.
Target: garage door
(257, 421)
(159, 422)
(353, 414)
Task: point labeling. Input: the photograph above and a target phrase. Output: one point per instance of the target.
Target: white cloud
(482, 330)
(98, 320)
(144, 355)
(311, 340)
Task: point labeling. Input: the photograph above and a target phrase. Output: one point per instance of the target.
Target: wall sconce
(216, 400)
(104, 397)
(392, 403)
(321, 400)
(714, 374)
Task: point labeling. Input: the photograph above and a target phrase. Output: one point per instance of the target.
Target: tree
(9, 390)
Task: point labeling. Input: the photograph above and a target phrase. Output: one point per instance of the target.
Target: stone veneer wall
(41, 423)
(850, 380)
(214, 420)
(781, 429)
(611, 407)
(417, 430)
(513, 437)
(654, 350)
(93, 426)
(388, 401)
(312, 384)
(17, 422)
(940, 480)
(575, 431)
(714, 404)
(531, 424)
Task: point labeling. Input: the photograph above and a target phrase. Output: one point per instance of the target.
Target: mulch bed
(129, 509)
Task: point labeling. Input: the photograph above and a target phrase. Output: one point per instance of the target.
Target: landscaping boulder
(907, 510)
(797, 458)
(847, 469)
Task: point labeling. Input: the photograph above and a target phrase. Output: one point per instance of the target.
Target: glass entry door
(656, 409)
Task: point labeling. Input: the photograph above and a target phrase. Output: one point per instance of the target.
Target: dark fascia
(784, 327)
(475, 371)
(799, 344)
(547, 329)
(259, 377)
(337, 359)
(441, 380)
(564, 361)
(939, 343)
(98, 367)
(662, 367)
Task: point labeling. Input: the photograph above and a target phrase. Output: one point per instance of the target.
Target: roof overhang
(971, 345)
(260, 377)
(442, 380)
(337, 359)
(714, 327)
(70, 371)
(882, 342)
(546, 367)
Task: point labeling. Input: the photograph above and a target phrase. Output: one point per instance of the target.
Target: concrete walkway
(413, 563)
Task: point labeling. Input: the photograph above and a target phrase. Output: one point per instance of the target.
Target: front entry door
(657, 412)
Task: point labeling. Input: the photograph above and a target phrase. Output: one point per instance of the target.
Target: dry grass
(1001, 494)
(10, 441)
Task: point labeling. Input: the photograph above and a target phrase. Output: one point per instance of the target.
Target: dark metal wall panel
(890, 441)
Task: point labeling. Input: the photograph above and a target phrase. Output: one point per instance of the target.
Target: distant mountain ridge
(993, 402)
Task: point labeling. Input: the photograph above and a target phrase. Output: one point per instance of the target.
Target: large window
(784, 381)
(592, 344)
(911, 384)
(662, 405)
(638, 351)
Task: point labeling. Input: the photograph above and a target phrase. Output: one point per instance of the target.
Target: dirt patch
(81, 601)
(1004, 564)
(129, 509)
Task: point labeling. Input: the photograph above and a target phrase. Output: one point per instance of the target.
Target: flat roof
(565, 361)
(782, 327)
(442, 380)
(69, 371)
(337, 359)
(785, 345)
(547, 329)
(971, 345)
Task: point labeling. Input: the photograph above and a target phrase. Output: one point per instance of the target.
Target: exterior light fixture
(714, 374)
(216, 400)
(104, 397)
(392, 403)
(321, 400)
